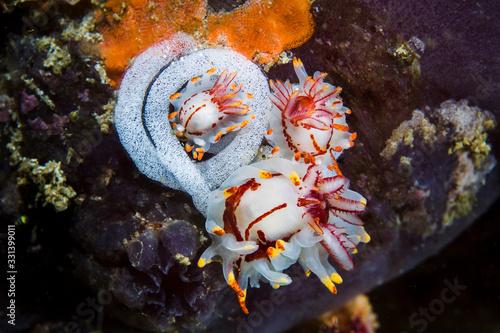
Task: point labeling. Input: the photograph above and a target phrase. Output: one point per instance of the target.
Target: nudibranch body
(207, 108)
(308, 119)
(271, 214)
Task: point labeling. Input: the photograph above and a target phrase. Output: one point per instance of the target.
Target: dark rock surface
(102, 233)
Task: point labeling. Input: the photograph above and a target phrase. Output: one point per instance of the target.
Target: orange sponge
(267, 27)
(259, 29)
(141, 24)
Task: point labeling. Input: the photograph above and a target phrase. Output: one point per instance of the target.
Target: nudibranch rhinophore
(207, 108)
(213, 87)
(268, 215)
(308, 119)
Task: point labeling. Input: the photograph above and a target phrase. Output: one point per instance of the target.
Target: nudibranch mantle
(308, 119)
(142, 115)
(268, 215)
(208, 108)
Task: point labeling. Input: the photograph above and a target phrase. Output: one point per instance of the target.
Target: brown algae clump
(50, 179)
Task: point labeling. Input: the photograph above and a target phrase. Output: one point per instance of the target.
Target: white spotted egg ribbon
(141, 115)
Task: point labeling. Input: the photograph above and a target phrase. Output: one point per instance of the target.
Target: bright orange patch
(142, 24)
(267, 27)
(259, 29)
(219, 231)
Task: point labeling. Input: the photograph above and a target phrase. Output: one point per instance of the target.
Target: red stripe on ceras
(232, 202)
(316, 81)
(317, 147)
(260, 218)
(191, 115)
(288, 138)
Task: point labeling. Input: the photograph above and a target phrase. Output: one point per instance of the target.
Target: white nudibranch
(308, 119)
(207, 108)
(271, 214)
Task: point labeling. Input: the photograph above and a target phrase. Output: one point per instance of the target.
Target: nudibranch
(177, 74)
(308, 119)
(207, 108)
(268, 215)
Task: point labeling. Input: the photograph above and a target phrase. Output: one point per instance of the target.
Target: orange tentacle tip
(235, 104)
(307, 158)
(269, 131)
(272, 252)
(229, 96)
(229, 129)
(201, 263)
(297, 156)
(218, 136)
(329, 284)
(172, 115)
(343, 128)
(275, 150)
(219, 231)
(265, 174)
(336, 278)
(211, 71)
(229, 191)
(241, 301)
(297, 62)
(244, 123)
(175, 96)
(294, 177)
